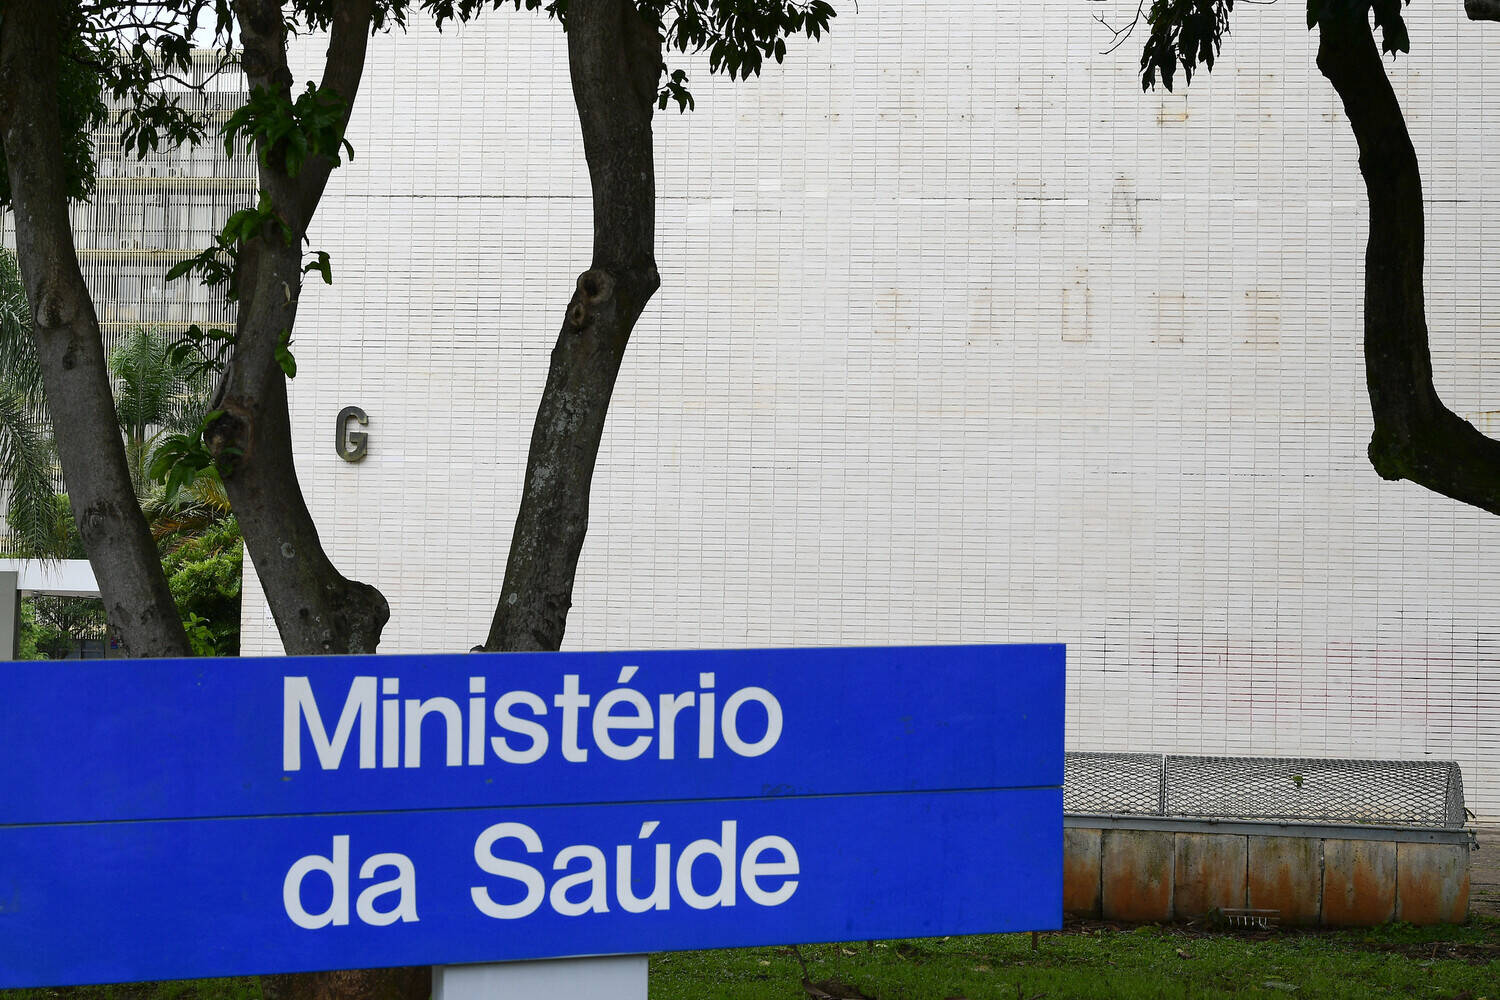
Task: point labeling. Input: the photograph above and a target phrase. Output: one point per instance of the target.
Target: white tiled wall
(961, 338)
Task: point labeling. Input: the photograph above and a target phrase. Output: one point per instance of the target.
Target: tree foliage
(201, 554)
(81, 106)
(124, 49)
(157, 392)
(737, 35)
(1187, 33)
(37, 638)
(204, 572)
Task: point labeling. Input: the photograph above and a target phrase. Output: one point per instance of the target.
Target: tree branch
(317, 609)
(343, 69)
(1416, 436)
(1482, 10)
(615, 58)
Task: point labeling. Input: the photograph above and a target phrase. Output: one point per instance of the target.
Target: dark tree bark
(1416, 437)
(317, 609)
(615, 59)
(66, 329)
(1482, 10)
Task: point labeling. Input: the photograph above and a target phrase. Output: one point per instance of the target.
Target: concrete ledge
(1209, 873)
(61, 578)
(1150, 869)
(1432, 883)
(1135, 875)
(1359, 883)
(1286, 874)
(1081, 867)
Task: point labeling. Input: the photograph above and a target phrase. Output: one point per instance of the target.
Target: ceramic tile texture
(961, 338)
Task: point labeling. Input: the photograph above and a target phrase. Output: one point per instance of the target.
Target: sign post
(190, 818)
(616, 977)
(10, 614)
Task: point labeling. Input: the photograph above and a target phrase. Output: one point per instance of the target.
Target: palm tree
(155, 394)
(28, 466)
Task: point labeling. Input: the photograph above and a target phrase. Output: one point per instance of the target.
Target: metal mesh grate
(1128, 783)
(1302, 789)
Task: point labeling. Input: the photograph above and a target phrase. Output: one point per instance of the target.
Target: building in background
(149, 214)
(145, 216)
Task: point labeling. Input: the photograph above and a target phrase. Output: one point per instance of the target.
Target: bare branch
(1121, 34)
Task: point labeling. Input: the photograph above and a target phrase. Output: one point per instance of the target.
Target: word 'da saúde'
(765, 870)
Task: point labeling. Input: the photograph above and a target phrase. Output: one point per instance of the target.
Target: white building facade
(961, 338)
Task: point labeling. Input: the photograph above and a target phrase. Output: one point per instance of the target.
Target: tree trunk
(69, 348)
(317, 609)
(1482, 10)
(1416, 437)
(615, 59)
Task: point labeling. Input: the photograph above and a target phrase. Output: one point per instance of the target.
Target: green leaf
(284, 356)
(181, 268)
(322, 265)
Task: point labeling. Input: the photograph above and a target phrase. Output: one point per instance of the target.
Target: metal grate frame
(1296, 789)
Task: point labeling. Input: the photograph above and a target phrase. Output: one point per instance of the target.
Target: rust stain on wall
(1210, 873)
(1151, 876)
(1137, 876)
(1286, 874)
(1081, 850)
(1359, 882)
(1432, 883)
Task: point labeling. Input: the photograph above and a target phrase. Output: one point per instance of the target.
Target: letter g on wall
(351, 446)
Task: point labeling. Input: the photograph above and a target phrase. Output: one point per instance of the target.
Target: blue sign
(189, 818)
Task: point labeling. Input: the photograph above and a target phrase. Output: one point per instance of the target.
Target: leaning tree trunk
(69, 348)
(1416, 437)
(615, 59)
(317, 609)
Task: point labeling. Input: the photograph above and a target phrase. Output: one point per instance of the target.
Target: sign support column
(10, 614)
(616, 977)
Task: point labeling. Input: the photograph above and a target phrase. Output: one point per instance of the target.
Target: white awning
(62, 578)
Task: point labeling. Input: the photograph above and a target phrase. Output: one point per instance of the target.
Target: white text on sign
(373, 714)
(708, 872)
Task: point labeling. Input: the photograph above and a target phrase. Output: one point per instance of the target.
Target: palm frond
(188, 513)
(152, 390)
(26, 466)
(18, 360)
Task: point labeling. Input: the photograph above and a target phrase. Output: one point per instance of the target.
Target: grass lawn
(1098, 961)
(1087, 961)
